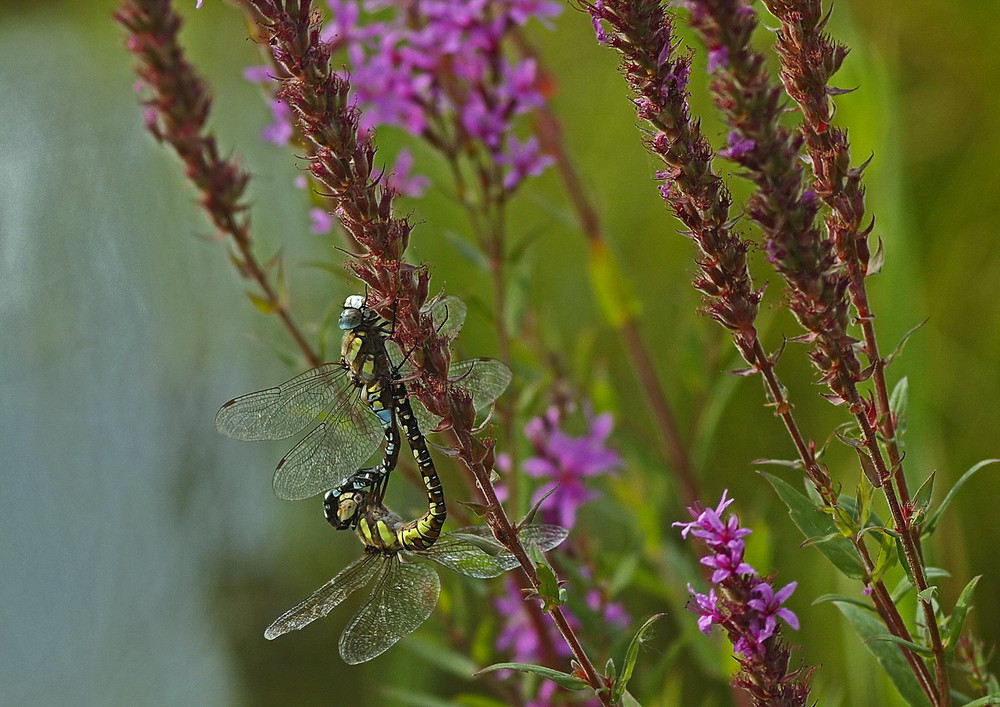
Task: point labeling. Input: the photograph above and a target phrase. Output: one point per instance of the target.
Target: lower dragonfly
(348, 401)
(404, 590)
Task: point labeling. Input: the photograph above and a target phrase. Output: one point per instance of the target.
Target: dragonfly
(348, 403)
(404, 587)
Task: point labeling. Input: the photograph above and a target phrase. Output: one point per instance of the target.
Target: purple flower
(438, 69)
(401, 181)
(261, 73)
(728, 564)
(707, 606)
(524, 160)
(738, 146)
(718, 58)
(744, 604)
(768, 606)
(321, 221)
(568, 461)
(280, 131)
(595, 19)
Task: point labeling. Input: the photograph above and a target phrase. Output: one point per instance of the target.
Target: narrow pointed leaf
(922, 498)
(815, 524)
(902, 343)
(847, 600)
(957, 619)
(898, 403)
(868, 626)
(570, 682)
(935, 518)
(263, 305)
(631, 655)
(920, 650)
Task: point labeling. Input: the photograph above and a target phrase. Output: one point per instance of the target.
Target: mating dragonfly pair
(354, 404)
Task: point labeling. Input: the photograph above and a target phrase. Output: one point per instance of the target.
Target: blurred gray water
(121, 331)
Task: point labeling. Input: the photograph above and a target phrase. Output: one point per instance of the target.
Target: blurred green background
(141, 555)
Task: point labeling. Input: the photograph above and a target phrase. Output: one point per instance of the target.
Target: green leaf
(887, 556)
(935, 518)
(927, 595)
(847, 600)
(787, 463)
(922, 499)
(866, 494)
(549, 590)
(265, 306)
(570, 682)
(993, 699)
(902, 343)
(957, 618)
(915, 647)
(815, 524)
(889, 656)
(631, 655)
(898, 403)
(868, 466)
(629, 701)
(905, 585)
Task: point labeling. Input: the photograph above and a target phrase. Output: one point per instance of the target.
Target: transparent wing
(280, 412)
(448, 314)
(462, 556)
(542, 536)
(326, 598)
(328, 455)
(482, 379)
(403, 598)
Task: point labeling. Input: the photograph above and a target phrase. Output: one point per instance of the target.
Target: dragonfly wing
(448, 314)
(483, 379)
(464, 557)
(325, 457)
(326, 598)
(282, 411)
(542, 536)
(404, 596)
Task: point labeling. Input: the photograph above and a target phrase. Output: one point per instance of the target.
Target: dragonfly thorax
(378, 529)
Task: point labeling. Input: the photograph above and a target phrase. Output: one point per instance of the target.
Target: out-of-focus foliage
(143, 555)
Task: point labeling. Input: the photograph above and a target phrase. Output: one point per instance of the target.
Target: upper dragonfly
(348, 402)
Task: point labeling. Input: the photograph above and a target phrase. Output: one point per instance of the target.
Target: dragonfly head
(354, 312)
(341, 507)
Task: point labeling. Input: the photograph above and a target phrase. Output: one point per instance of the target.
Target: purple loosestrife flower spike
(437, 69)
(657, 71)
(784, 207)
(746, 606)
